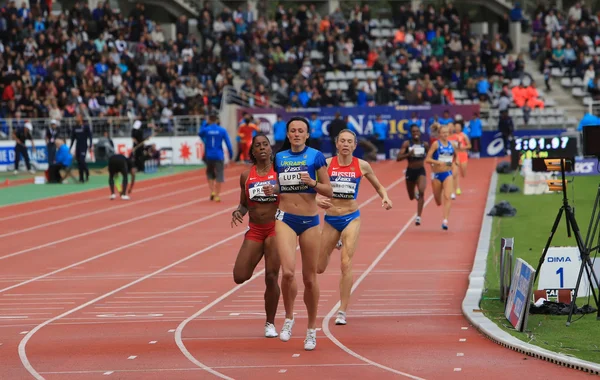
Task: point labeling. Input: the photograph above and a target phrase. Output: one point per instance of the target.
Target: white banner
(185, 150)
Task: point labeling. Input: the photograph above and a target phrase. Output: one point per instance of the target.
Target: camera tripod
(584, 251)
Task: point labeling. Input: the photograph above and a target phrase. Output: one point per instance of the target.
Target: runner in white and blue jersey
(301, 174)
(441, 156)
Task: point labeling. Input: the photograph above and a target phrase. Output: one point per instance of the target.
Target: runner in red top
(260, 238)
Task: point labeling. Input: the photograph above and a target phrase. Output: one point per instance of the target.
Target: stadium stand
(108, 65)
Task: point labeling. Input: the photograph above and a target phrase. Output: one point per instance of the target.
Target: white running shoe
(418, 221)
(311, 340)
(453, 196)
(341, 318)
(339, 244)
(286, 330)
(270, 331)
(113, 196)
(125, 197)
(445, 224)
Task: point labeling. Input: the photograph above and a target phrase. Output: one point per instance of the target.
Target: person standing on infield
(21, 135)
(213, 136)
(81, 133)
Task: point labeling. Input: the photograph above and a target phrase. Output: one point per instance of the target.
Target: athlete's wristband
(316, 183)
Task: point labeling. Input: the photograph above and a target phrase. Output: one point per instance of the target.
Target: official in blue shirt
(213, 136)
(62, 161)
(475, 132)
(279, 132)
(316, 132)
(380, 128)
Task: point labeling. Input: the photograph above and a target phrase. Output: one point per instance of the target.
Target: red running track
(155, 298)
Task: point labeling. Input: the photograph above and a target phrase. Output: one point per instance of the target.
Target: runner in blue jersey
(342, 215)
(301, 173)
(441, 156)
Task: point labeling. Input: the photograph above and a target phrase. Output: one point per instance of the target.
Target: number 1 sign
(561, 268)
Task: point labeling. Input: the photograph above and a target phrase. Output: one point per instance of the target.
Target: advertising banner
(361, 119)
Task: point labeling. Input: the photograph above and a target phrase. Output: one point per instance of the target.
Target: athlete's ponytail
(286, 143)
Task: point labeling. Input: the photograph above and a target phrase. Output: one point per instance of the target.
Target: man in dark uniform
(51, 135)
(119, 164)
(21, 134)
(82, 133)
(334, 129)
(137, 135)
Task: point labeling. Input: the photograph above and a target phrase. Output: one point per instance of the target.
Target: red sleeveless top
(254, 185)
(344, 179)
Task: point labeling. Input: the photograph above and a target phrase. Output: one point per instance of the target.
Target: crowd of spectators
(100, 62)
(566, 43)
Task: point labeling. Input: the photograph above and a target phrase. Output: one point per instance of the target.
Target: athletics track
(143, 290)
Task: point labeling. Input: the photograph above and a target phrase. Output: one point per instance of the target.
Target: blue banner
(361, 119)
(585, 166)
(7, 154)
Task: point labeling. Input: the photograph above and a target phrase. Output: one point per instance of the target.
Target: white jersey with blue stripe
(444, 153)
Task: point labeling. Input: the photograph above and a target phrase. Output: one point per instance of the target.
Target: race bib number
(346, 188)
(446, 158)
(419, 151)
(290, 179)
(256, 192)
(279, 214)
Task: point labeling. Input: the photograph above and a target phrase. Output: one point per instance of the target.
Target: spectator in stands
(279, 133)
(335, 127)
(21, 134)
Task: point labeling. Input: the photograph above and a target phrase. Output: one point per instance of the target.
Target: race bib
(290, 178)
(419, 151)
(446, 158)
(343, 187)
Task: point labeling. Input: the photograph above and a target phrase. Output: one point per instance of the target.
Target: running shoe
(270, 331)
(212, 196)
(458, 192)
(339, 244)
(417, 195)
(453, 196)
(286, 330)
(418, 221)
(114, 196)
(217, 199)
(341, 318)
(445, 224)
(311, 340)
(125, 197)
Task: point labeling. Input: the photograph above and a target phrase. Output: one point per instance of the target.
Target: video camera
(591, 141)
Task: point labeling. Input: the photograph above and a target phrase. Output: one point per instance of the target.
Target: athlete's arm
(237, 216)
(369, 174)
(323, 201)
(322, 185)
(429, 159)
(404, 153)
(467, 142)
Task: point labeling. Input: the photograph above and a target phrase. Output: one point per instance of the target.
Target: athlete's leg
(247, 259)
(421, 184)
(272, 291)
(456, 179)
(111, 182)
(463, 169)
(436, 186)
(220, 178)
(349, 240)
(448, 186)
(125, 181)
(329, 238)
(310, 247)
(410, 189)
(285, 242)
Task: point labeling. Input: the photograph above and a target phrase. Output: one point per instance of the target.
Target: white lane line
(102, 210)
(326, 320)
(69, 204)
(120, 249)
(132, 357)
(127, 221)
(23, 343)
(151, 370)
(178, 332)
(108, 373)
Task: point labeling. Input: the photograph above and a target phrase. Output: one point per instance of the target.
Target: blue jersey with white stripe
(444, 153)
(290, 165)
